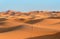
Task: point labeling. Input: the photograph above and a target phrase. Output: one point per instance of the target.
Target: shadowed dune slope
(54, 18)
(34, 21)
(3, 30)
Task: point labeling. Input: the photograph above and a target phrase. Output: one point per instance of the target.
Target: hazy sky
(29, 5)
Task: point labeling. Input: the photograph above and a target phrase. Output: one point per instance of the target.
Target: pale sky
(29, 5)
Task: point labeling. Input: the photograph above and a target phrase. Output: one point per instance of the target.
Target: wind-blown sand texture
(30, 25)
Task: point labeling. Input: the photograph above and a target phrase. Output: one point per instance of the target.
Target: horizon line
(29, 10)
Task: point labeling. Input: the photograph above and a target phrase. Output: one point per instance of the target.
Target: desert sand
(30, 25)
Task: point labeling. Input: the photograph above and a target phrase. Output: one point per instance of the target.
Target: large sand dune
(31, 25)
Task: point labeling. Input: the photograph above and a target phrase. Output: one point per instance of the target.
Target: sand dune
(53, 36)
(29, 25)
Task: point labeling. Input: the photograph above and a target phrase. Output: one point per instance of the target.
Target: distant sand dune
(30, 25)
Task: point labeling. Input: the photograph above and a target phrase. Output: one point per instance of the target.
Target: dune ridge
(34, 24)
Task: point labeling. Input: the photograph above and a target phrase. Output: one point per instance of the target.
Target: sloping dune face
(53, 36)
(29, 25)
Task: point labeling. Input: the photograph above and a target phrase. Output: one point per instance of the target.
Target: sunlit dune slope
(23, 25)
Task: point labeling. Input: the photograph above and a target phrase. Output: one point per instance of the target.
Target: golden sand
(35, 25)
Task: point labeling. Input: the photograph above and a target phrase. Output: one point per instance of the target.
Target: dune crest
(34, 24)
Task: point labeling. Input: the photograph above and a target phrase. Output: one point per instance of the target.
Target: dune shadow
(54, 18)
(34, 21)
(20, 19)
(2, 23)
(54, 36)
(3, 19)
(3, 30)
